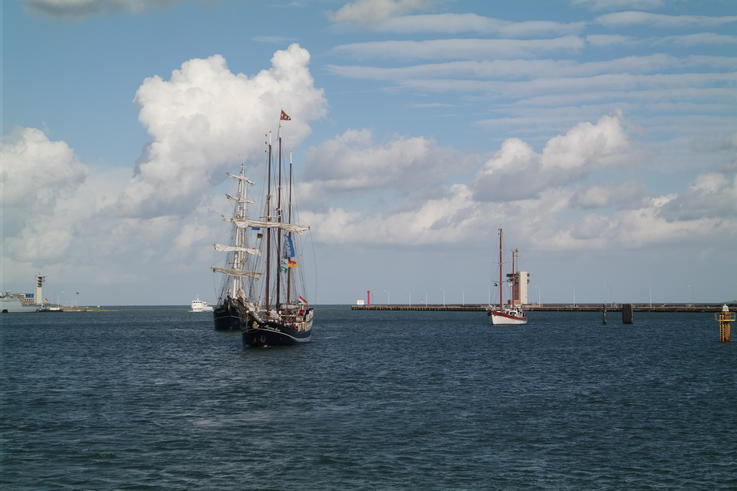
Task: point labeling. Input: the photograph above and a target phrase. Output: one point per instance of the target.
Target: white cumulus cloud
(353, 161)
(36, 174)
(517, 172)
(205, 119)
(712, 194)
(56, 220)
(446, 219)
(623, 195)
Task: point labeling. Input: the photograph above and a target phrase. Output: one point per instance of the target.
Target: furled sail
(241, 178)
(227, 248)
(239, 200)
(237, 272)
(289, 227)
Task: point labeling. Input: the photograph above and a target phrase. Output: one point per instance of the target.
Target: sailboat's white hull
(502, 318)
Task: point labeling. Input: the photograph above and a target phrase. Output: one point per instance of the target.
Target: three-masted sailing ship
(510, 314)
(262, 295)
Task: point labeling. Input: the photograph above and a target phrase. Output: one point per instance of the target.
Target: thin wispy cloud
(614, 82)
(611, 40)
(516, 69)
(709, 95)
(79, 9)
(372, 12)
(461, 48)
(430, 105)
(471, 23)
(273, 39)
(618, 4)
(699, 39)
(635, 18)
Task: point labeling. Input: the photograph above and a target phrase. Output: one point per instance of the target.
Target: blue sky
(601, 135)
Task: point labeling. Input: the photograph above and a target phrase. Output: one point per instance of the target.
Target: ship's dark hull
(274, 334)
(227, 317)
(297, 330)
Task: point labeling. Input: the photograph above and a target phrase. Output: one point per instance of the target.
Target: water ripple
(155, 398)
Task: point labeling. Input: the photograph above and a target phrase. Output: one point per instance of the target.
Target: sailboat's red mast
(501, 300)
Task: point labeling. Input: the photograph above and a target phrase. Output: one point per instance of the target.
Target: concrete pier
(597, 307)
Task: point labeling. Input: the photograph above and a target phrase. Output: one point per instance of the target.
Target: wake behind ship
(262, 295)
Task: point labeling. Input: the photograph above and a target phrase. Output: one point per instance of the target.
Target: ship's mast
(289, 220)
(279, 232)
(514, 286)
(268, 229)
(501, 285)
(235, 284)
(238, 260)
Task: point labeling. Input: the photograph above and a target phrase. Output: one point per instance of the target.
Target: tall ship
(263, 293)
(510, 314)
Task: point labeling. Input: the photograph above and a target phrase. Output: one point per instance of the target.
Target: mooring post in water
(725, 318)
(603, 313)
(628, 315)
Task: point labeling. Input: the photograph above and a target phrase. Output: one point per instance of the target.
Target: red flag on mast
(284, 116)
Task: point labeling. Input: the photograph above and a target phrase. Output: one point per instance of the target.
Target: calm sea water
(155, 398)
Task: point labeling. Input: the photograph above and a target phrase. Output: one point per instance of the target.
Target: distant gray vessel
(23, 302)
(16, 302)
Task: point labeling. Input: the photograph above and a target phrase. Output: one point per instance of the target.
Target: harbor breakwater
(588, 307)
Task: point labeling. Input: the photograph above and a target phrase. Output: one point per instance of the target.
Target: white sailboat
(509, 314)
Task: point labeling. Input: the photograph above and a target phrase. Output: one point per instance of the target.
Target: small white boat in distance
(200, 306)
